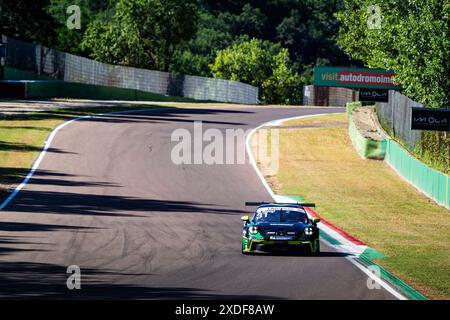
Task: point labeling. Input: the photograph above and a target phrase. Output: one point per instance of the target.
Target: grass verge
(368, 200)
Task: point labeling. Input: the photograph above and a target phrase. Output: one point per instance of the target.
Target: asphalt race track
(108, 198)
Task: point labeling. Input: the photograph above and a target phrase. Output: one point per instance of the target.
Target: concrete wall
(67, 67)
(328, 96)
(395, 117)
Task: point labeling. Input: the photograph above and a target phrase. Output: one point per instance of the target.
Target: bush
(264, 65)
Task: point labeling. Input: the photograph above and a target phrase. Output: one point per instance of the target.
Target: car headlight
(309, 231)
(253, 230)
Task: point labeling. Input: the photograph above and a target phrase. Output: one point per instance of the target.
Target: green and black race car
(276, 224)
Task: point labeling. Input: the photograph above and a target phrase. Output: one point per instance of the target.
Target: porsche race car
(277, 224)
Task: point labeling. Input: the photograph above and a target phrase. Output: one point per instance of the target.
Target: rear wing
(257, 204)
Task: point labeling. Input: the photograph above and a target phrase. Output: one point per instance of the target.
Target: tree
(414, 41)
(250, 21)
(143, 33)
(262, 64)
(411, 38)
(70, 40)
(27, 20)
(309, 32)
(307, 28)
(195, 56)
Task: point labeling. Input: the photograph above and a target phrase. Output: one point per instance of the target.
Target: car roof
(297, 206)
(280, 205)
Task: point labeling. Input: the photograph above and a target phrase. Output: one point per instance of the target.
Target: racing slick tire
(315, 248)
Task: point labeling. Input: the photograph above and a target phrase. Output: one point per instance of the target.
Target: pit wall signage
(354, 78)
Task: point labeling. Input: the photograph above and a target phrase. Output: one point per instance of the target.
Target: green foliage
(250, 21)
(414, 41)
(142, 33)
(195, 56)
(309, 32)
(70, 40)
(435, 150)
(27, 20)
(262, 64)
(184, 36)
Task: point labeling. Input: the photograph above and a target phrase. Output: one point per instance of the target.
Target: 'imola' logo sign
(374, 95)
(430, 119)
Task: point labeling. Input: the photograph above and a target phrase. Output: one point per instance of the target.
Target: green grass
(368, 200)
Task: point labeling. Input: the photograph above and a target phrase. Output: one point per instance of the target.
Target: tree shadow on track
(13, 175)
(37, 227)
(12, 244)
(298, 253)
(71, 203)
(168, 115)
(23, 280)
(153, 113)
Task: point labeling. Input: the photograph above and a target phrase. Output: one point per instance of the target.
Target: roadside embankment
(368, 140)
(371, 142)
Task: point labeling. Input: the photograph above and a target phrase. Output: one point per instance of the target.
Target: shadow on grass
(16, 175)
(22, 147)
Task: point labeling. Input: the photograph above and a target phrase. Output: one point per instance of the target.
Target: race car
(280, 224)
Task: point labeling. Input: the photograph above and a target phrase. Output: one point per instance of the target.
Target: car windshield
(274, 215)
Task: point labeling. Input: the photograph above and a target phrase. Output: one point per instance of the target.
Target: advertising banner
(430, 119)
(354, 78)
(374, 95)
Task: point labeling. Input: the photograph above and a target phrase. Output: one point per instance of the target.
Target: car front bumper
(248, 244)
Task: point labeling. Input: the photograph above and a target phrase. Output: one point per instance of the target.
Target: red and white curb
(347, 243)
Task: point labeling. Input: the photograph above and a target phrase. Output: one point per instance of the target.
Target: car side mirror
(316, 220)
(246, 219)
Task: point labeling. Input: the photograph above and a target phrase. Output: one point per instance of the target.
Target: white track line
(49, 141)
(277, 198)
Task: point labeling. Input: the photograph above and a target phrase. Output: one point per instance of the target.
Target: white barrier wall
(71, 68)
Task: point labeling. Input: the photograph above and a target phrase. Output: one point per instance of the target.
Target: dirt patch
(274, 183)
(366, 121)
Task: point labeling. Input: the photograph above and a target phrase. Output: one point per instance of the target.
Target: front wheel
(245, 249)
(315, 247)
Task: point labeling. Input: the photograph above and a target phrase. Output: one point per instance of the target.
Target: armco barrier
(434, 184)
(327, 96)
